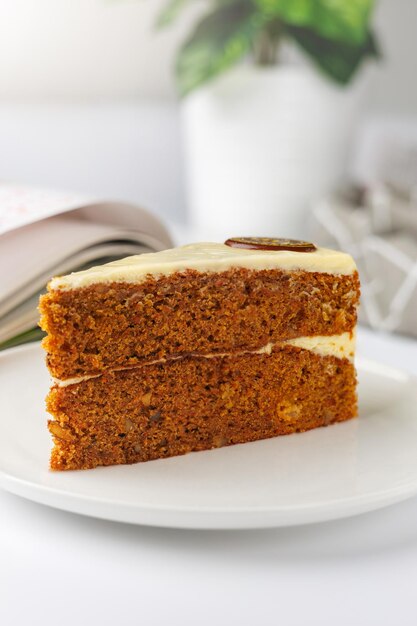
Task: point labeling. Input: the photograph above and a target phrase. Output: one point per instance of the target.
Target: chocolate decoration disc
(270, 243)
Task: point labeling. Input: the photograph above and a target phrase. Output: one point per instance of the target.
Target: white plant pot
(261, 145)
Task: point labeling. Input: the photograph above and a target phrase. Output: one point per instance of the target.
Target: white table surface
(60, 568)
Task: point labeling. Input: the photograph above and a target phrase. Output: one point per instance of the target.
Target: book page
(21, 205)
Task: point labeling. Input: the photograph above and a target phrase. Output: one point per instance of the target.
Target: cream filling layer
(206, 257)
(340, 346)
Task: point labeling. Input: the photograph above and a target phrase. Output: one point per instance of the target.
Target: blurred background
(88, 98)
(275, 118)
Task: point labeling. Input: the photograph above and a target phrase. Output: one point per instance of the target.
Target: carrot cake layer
(198, 347)
(201, 299)
(196, 403)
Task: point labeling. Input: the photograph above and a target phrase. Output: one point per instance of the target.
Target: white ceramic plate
(324, 474)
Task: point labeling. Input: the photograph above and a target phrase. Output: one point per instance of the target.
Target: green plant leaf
(34, 334)
(337, 60)
(171, 12)
(218, 42)
(342, 20)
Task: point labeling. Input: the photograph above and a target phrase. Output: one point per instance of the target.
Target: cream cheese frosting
(206, 257)
(340, 346)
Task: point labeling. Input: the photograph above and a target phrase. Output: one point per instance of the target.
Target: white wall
(84, 48)
(394, 88)
(128, 151)
(72, 49)
(64, 63)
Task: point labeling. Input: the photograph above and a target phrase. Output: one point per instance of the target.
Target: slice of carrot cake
(198, 347)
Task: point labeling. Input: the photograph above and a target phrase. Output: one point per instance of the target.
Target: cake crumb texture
(162, 410)
(100, 327)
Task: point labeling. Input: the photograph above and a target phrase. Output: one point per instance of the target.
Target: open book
(46, 233)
